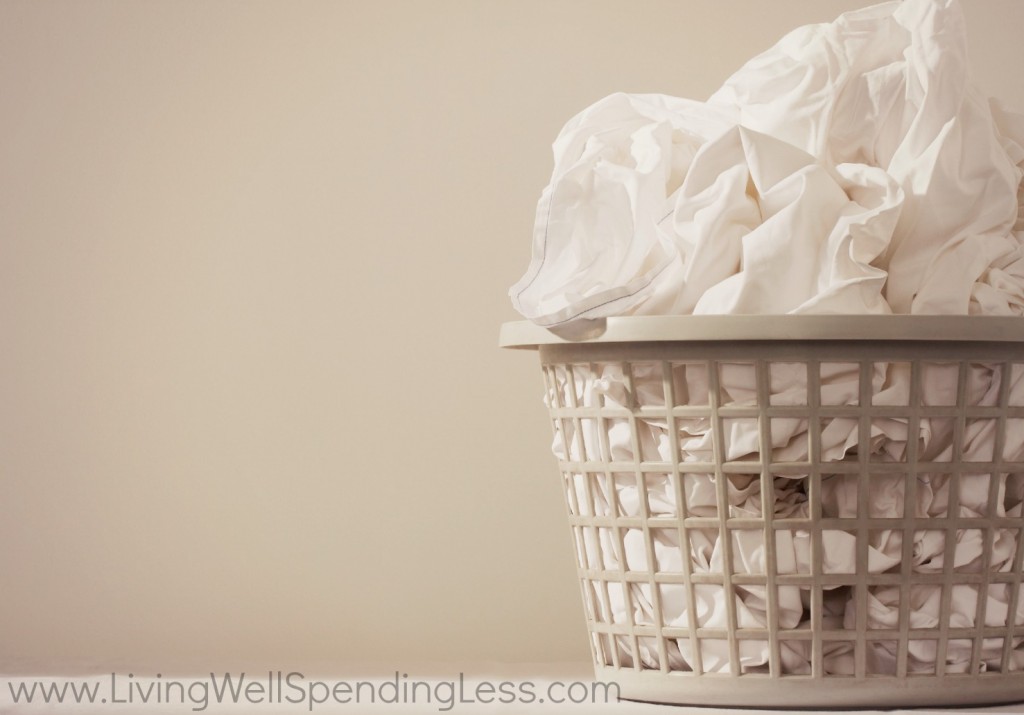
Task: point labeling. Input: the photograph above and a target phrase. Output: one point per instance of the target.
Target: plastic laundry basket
(655, 651)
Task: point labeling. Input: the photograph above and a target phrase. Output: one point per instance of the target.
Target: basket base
(804, 692)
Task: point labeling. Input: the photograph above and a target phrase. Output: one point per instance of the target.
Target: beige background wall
(253, 259)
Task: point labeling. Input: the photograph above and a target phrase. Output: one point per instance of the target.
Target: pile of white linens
(853, 168)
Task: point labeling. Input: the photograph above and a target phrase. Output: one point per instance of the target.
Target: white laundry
(827, 175)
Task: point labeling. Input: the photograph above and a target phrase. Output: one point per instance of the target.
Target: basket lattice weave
(738, 639)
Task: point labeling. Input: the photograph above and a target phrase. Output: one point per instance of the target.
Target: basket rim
(523, 334)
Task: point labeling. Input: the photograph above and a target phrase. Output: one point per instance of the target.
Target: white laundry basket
(643, 409)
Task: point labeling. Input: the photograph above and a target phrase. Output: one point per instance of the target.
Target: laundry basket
(795, 511)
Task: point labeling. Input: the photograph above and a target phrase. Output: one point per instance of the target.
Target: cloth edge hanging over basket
(814, 338)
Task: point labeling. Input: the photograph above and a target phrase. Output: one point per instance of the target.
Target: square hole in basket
(588, 547)
(936, 442)
(580, 383)
(714, 654)
(609, 549)
(795, 656)
(704, 554)
(921, 654)
(965, 595)
(661, 494)
(992, 657)
(983, 380)
(696, 442)
(887, 439)
(883, 608)
(737, 384)
(939, 383)
(648, 383)
(1013, 442)
(974, 493)
(559, 385)
(1004, 549)
(700, 494)
(958, 655)
(929, 550)
(550, 387)
(673, 605)
(790, 496)
(794, 607)
(624, 646)
(751, 603)
(794, 604)
(606, 488)
(881, 657)
(591, 437)
(619, 491)
(575, 493)
(710, 603)
(650, 654)
(603, 643)
(690, 384)
(886, 492)
(838, 659)
(619, 439)
(836, 601)
(969, 550)
(790, 439)
(787, 383)
(620, 601)
(609, 601)
(602, 494)
(562, 436)
(592, 603)
(839, 438)
(571, 448)
(741, 439)
(793, 551)
(748, 551)
(839, 552)
(840, 383)
(891, 383)
(585, 539)
(754, 656)
(654, 441)
(635, 549)
(602, 548)
(676, 661)
(979, 439)
(839, 494)
(885, 550)
(667, 554)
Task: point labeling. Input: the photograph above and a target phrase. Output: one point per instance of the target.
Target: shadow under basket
(795, 511)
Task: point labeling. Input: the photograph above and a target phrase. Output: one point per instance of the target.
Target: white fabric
(851, 168)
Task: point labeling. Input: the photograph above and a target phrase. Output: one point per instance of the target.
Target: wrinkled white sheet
(851, 168)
